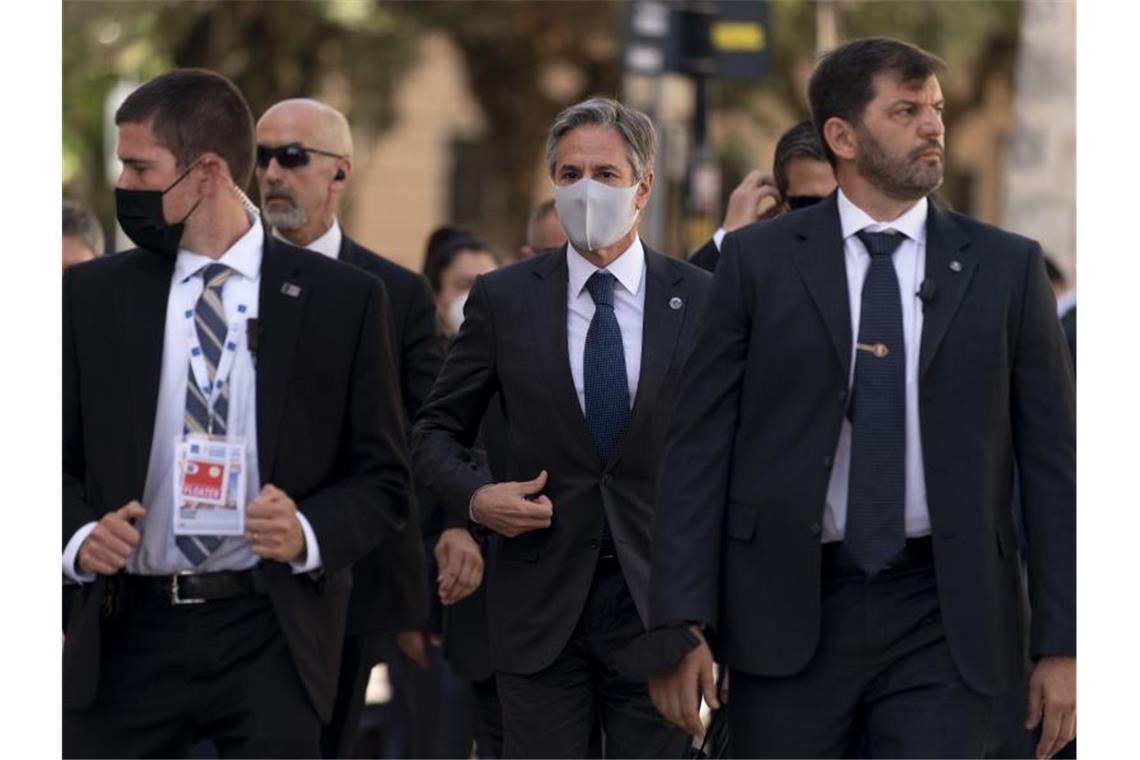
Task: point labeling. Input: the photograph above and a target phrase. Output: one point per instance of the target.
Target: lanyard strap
(234, 337)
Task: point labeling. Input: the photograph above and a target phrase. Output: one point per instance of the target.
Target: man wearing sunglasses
(801, 178)
(304, 161)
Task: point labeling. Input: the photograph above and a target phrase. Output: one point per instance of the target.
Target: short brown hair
(192, 112)
(842, 84)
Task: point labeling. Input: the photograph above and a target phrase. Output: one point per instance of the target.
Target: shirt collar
(327, 244)
(853, 219)
(627, 267)
(244, 256)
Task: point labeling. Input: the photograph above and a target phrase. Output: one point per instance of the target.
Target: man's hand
(744, 202)
(505, 508)
(106, 549)
(1053, 698)
(676, 692)
(272, 527)
(413, 645)
(460, 565)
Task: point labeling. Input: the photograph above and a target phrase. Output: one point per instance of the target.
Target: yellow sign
(738, 36)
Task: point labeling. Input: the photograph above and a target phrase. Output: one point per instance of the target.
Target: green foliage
(271, 49)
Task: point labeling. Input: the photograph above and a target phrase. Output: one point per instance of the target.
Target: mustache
(279, 192)
(931, 145)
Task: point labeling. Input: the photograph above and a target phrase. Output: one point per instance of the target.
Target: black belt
(195, 588)
(917, 552)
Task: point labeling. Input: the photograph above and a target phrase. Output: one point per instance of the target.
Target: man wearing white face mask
(581, 343)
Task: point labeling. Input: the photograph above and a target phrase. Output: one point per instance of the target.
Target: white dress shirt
(910, 266)
(327, 244)
(629, 308)
(157, 553)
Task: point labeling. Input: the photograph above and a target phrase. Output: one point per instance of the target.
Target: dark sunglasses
(288, 156)
(797, 201)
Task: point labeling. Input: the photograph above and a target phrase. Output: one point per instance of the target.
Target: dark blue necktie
(876, 492)
(603, 365)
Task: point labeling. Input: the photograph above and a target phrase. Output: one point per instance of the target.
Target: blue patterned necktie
(876, 493)
(603, 365)
(210, 321)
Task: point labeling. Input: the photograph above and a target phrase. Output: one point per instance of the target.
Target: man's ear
(645, 187)
(213, 173)
(840, 137)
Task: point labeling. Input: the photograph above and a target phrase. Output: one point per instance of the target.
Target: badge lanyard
(211, 391)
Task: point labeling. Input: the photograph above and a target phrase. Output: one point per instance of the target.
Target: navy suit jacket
(744, 481)
(513, 343)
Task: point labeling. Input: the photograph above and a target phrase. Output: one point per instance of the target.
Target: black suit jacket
(744, 481)
(330, 431)
(513, 342)
(389, 584)
(706, 257)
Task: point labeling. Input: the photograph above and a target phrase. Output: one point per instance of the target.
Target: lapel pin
(675, 303)
(955, 266)
(291, 290)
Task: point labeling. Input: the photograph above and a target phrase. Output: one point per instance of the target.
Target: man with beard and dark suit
(833, 510)
(214, 328)
(304, 162)
(582, 345)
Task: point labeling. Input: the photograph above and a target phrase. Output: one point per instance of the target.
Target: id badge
(209, 486)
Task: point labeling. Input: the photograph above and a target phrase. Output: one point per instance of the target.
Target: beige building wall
(402, 180)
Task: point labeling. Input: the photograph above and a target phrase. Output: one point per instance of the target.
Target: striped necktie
(210, 322)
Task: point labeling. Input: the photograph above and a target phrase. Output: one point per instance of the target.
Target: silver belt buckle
(175, 597)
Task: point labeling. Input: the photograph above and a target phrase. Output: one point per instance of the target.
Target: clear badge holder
(209, 485)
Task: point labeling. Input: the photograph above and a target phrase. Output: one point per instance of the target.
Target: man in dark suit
(300, 201)
(833, 510)
(582, 344)
(801, 176)
(234, 638)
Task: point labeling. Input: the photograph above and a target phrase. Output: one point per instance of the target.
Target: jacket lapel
(347, 250)
(548, 312)
(821, 264)
(282, 298)
(951, 267)
(144, 304)
(661, 327)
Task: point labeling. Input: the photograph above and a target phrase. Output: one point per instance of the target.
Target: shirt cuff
(312, 560)
(718, 236)
(71, 552)
(471, 503)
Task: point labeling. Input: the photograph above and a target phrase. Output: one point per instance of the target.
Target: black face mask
(140, 215)
(802, 201)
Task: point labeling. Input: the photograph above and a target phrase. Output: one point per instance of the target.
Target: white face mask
(455, 312)
(595, 215)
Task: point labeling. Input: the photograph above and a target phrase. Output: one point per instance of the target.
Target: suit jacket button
(827, 463)
(814, 529)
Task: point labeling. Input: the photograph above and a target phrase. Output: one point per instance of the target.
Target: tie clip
(878, 349)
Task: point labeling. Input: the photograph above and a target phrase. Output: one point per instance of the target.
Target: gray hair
(633, 126)
(81, 223)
